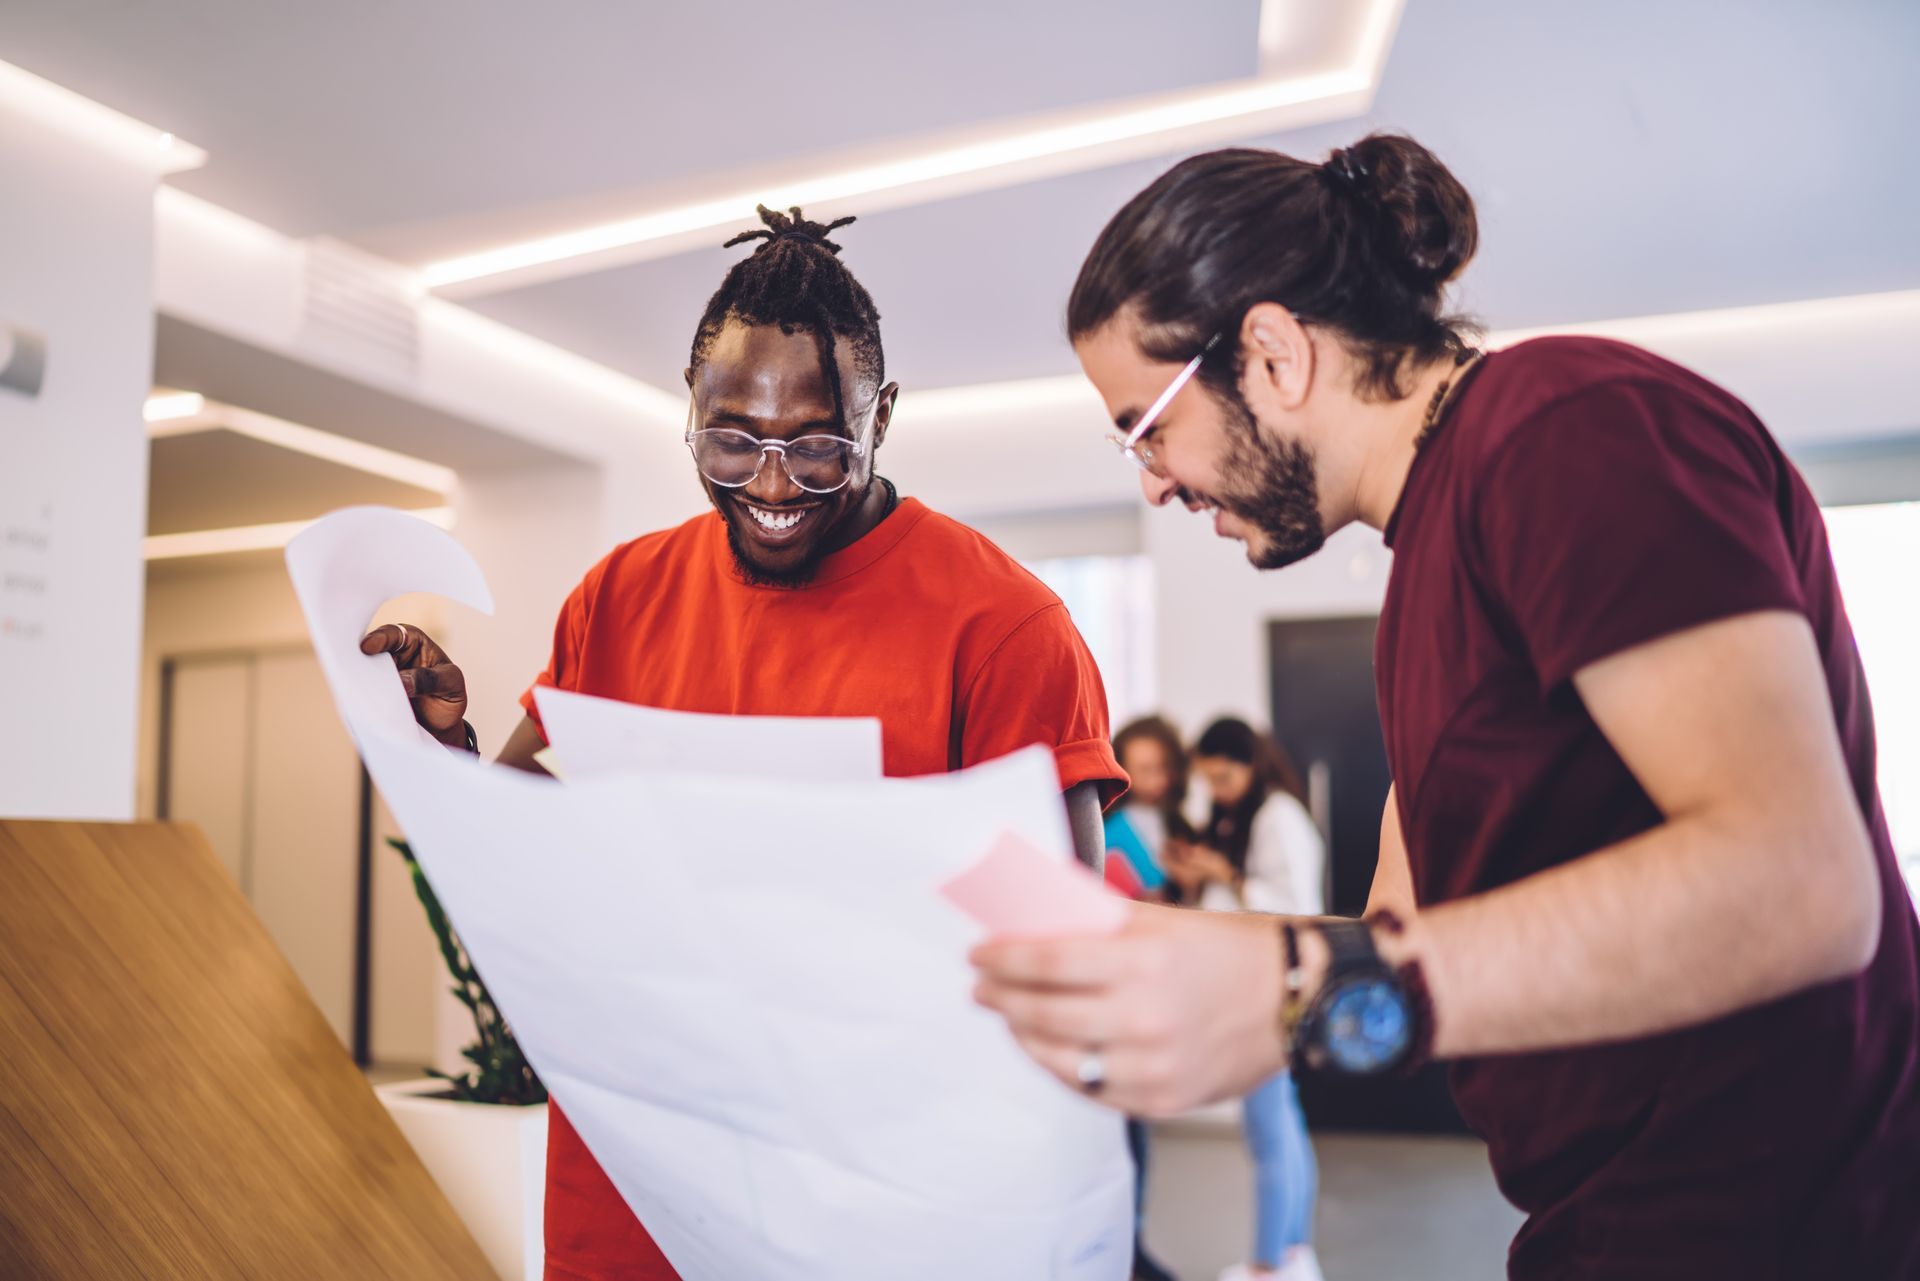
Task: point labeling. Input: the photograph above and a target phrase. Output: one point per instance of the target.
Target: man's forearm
(1688, 922)
(1089, 832)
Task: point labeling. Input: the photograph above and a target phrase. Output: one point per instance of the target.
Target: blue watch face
(1368, 1027)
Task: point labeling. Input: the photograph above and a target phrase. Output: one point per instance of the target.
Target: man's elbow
(1845, 908)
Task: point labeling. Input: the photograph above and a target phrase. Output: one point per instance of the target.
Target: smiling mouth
(777, 522)
(1197, 502)
(1202, 505)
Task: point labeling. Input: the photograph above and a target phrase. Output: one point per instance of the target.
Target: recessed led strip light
(1072, 142)
(970, 403)
(168, 406)
(1737, 323)
(58, 108)
(169, 414)
(253, 538)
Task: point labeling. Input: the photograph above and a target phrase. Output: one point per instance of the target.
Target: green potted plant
(501, 1073)
(481, 1134)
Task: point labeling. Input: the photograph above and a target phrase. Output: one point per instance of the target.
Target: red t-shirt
(962, 655)
(1584, 497)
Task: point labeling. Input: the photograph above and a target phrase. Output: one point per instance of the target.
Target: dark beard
(799, 576)
(1272, 487)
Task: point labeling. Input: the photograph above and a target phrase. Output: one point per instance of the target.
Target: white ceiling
(1636, 157)
(359, 117)
(1628, 159)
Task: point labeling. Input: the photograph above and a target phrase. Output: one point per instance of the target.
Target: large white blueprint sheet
(746, 991)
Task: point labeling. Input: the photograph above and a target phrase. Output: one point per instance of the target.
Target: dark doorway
(1326, 714)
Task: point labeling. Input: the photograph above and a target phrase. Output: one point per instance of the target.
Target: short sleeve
(1625, 513)
(1040, 685)
(569, 637)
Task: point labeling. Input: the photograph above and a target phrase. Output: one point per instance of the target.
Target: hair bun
(792, 225)
(1422, 218)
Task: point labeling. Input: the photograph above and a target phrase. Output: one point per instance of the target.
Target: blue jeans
(1137, 1149)
(1286, 1178)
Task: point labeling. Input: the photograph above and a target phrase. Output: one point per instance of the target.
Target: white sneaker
(1301, 1264)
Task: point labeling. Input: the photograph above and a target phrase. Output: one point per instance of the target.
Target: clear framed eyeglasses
(819, 463)
(1135, 444)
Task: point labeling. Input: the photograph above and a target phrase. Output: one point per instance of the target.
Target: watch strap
(1349, 947)
(1293, 999)
(1413, 981)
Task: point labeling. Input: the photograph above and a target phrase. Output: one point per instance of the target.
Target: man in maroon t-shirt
(1635, 881)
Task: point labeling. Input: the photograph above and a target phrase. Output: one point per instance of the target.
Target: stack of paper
(742, 983)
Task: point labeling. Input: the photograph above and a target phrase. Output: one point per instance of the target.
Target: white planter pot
(490, 1160)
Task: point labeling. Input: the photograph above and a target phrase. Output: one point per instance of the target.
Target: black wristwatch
(1365, 1020)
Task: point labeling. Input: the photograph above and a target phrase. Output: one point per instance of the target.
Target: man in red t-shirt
(812, 589)
(1635, 881)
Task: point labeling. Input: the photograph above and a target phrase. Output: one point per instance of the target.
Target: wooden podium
(172, 1104)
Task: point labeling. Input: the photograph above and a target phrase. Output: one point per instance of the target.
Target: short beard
(756, 576)
(1271, 486)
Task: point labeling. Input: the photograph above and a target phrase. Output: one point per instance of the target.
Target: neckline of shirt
(845, 563)
(1446, 427)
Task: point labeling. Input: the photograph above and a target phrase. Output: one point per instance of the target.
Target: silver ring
(403, 635)
(1092, 1072)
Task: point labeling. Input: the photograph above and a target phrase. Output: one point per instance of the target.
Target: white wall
(76, 264)
(534, 532)
(1213, 609)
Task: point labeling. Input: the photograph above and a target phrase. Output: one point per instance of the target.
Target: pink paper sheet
(1018, 892)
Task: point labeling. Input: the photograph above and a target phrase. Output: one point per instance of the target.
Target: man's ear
(883, 414)
(1277, 359)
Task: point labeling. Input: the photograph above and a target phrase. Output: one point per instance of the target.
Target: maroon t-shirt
(1583, 497)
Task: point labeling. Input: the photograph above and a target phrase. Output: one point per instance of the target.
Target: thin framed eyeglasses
(819, 463)
(1135, 444)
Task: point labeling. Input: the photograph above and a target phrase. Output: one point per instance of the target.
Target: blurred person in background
(1261, 851)
(1152, 814)
(1139, 831)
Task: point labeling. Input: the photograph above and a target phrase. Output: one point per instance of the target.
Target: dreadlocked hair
(795, 279)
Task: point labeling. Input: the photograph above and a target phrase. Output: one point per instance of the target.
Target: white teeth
(769, 520)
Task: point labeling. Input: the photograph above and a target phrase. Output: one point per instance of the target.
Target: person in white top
(1260, 851)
